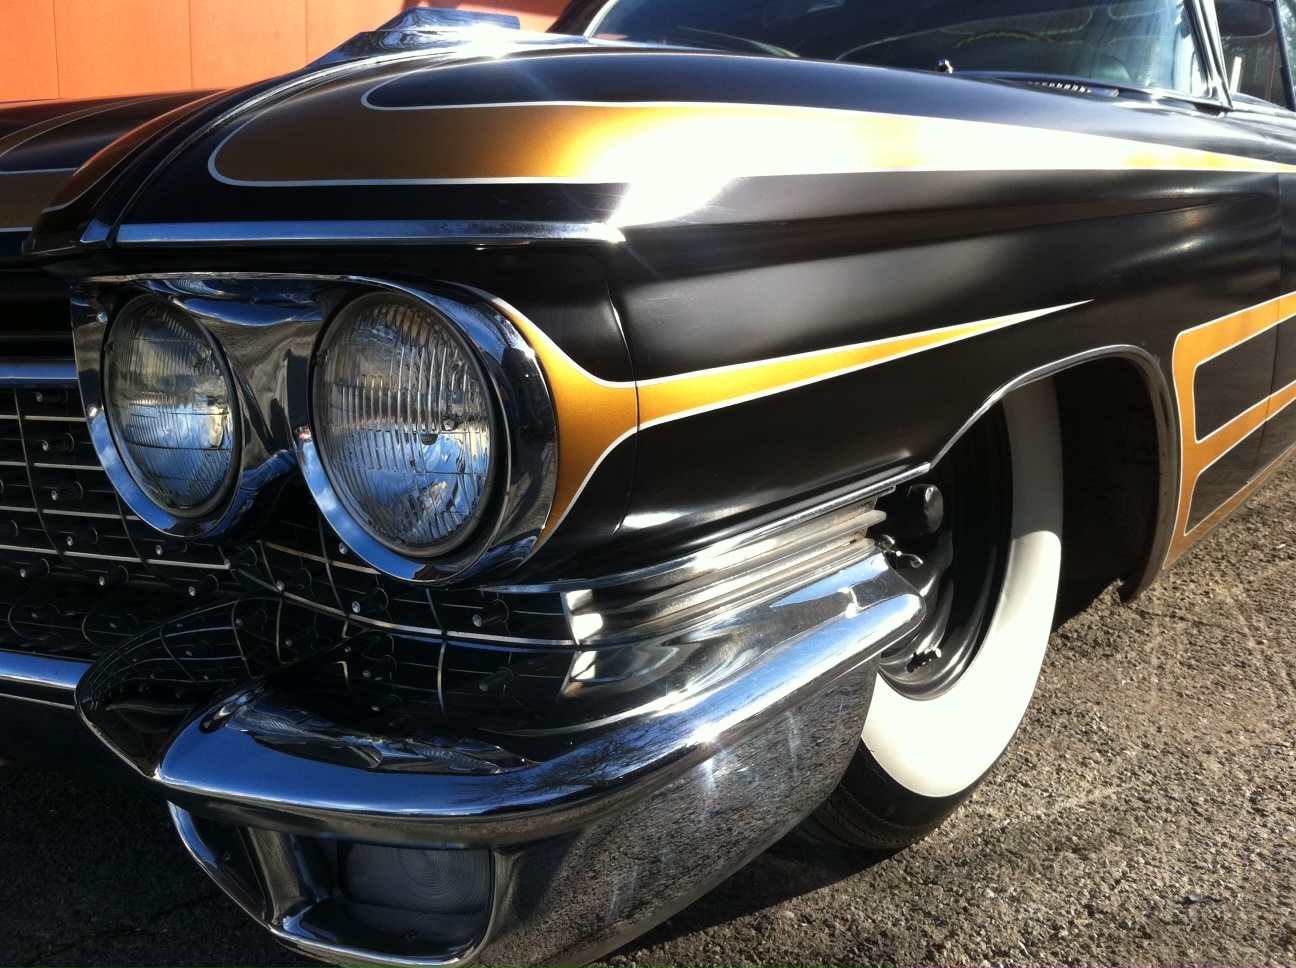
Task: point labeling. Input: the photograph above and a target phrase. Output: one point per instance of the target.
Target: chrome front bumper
(577, 851)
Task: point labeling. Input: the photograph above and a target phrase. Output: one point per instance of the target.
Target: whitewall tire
(940, 720)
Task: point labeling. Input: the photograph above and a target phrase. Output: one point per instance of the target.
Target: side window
(1254, 59)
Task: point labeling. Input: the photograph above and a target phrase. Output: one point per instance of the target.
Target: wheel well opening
(1111, 479)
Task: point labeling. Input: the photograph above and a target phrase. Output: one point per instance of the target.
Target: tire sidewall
(919, 759)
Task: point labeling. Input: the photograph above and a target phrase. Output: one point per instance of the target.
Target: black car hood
(525, 136)
(158, 159)
(42, 143)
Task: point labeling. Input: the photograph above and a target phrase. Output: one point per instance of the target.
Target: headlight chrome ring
(420, 503)
(267, 331)
(405, 424)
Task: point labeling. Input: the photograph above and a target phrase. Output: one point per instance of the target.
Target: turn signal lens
(439, 898)
(170, 403)
(403, 421)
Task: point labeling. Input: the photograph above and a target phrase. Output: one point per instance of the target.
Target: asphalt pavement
(1146, 814)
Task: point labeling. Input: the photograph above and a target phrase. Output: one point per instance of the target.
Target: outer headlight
(405, 424)
(171, 405)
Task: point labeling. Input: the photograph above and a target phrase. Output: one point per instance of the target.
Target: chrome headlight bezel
(93, 313)
(269, 327)
(328, 353)
(525, 438)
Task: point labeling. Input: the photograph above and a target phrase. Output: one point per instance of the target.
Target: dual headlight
(402, 416)
(171, 403)
(403, 423)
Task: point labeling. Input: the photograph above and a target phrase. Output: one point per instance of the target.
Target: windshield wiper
(1088, 85)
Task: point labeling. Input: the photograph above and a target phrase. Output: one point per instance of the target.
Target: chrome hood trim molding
(410, 232)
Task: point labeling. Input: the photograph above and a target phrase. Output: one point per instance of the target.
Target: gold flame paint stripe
(1228, 507)
(595, 415)
(298, 143)
(681, 396)
(1194, 347)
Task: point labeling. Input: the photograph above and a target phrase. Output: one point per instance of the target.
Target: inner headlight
(170, 403)
(404, 424)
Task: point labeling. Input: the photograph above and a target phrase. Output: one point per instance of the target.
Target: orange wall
(86, 48)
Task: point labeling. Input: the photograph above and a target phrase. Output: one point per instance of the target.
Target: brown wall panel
(28, 60)
(534, 14)
(236, 41)
(122, 46)
(90, 48)
(330, 22)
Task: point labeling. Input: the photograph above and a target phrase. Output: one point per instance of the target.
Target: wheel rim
(962, 563)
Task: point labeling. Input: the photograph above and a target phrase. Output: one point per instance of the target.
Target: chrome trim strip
(59, 513)
(40, 677)
(26, 550)
(360, 231)
(710, 558)
(509, 643)
(37, 373)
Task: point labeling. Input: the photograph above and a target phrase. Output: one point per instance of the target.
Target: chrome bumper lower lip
(590, 847)
(226, 774)
(40, 678)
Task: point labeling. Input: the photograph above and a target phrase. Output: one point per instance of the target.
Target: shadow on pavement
(791, 868)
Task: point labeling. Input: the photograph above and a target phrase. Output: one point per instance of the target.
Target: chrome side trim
(725, 550)
(668, 605)
(364, 232)
(40, 677)
(798, 645)
(37, 373)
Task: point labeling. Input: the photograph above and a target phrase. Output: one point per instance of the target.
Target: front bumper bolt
(922, 511)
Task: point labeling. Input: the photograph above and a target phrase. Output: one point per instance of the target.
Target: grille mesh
(97, 577)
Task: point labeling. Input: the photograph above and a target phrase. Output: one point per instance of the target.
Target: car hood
(499, 135)
(42, 143)
(148, 158)
(503, 134)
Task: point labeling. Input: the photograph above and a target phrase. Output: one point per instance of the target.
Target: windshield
(1135, 43)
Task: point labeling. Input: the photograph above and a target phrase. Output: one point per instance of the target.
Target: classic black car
(493, 485)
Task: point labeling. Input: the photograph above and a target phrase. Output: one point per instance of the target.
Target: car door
(1243, 389)
(1259, 41)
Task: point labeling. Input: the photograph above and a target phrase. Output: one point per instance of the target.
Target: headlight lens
(170, 402)
(403, 421)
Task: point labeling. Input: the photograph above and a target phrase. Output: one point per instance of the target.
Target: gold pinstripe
(334, 138)
(1193, 347)
(595, 415)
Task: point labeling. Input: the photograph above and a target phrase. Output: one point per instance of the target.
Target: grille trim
(426, 649)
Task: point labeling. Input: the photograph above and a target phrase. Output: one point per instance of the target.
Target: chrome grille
(97, 577)
(58, 510)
